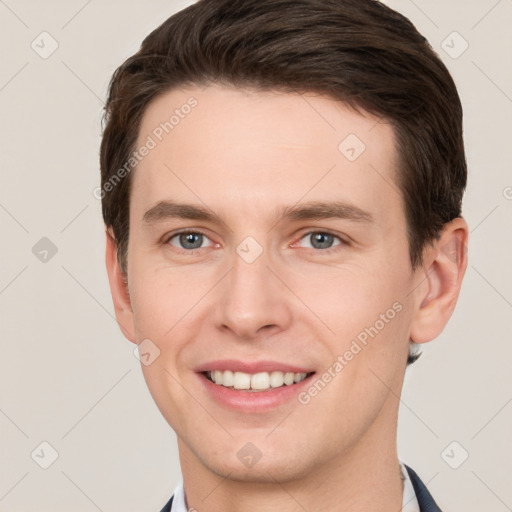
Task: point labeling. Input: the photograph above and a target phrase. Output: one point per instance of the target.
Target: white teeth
(228, 378)
(242, 380)
(289, 378)
(276, 379)
(258, 381)
(297, 377)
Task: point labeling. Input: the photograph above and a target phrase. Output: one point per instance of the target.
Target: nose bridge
(252, 296)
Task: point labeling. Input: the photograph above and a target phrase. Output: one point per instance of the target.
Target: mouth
(255, 382)
(253, 386)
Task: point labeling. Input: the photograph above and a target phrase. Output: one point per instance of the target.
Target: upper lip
(250, 367)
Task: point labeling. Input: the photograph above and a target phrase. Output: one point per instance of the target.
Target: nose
(253, 300)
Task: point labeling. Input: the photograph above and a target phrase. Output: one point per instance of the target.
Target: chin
(271, 467)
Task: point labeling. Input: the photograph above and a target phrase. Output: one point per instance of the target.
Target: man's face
(301, 260)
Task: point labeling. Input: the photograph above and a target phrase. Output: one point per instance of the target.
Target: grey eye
(321, 240)
(188, 240)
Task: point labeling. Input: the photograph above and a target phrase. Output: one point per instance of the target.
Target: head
(282, 181)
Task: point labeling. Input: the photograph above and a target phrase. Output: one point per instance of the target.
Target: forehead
(255, 151)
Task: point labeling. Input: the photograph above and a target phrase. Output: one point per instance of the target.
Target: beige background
(70, 379)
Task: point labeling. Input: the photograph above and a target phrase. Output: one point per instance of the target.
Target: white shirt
(409, 500)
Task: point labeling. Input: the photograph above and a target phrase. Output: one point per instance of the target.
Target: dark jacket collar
(425, 500)
(167, 506)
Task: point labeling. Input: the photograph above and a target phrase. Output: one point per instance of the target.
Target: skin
(244, 155)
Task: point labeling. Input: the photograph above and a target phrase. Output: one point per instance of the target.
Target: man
(282, 186)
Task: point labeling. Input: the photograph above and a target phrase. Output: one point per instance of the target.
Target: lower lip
(253, 401)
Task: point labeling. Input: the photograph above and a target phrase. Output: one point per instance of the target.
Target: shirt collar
(409, 499)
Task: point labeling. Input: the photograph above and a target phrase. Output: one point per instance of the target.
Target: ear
(445, 263)
(119, 288)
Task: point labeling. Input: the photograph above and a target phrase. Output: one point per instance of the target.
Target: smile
(261, 381)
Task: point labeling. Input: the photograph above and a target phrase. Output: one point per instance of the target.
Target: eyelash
(343, 242)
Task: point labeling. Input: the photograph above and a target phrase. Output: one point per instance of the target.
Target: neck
(366, 477)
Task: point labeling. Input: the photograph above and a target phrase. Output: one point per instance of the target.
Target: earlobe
(119, 288)
(446, 263)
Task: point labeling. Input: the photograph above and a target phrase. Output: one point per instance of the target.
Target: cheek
(350, 302)
(161, 300)
(368, 316)
(162, 305)
(366, 357)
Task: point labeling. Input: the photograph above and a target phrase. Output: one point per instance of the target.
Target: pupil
(321, 240)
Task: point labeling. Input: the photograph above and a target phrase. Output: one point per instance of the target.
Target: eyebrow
(327, 210)
(305, 211)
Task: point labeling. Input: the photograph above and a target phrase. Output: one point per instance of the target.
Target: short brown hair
(359, 52)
